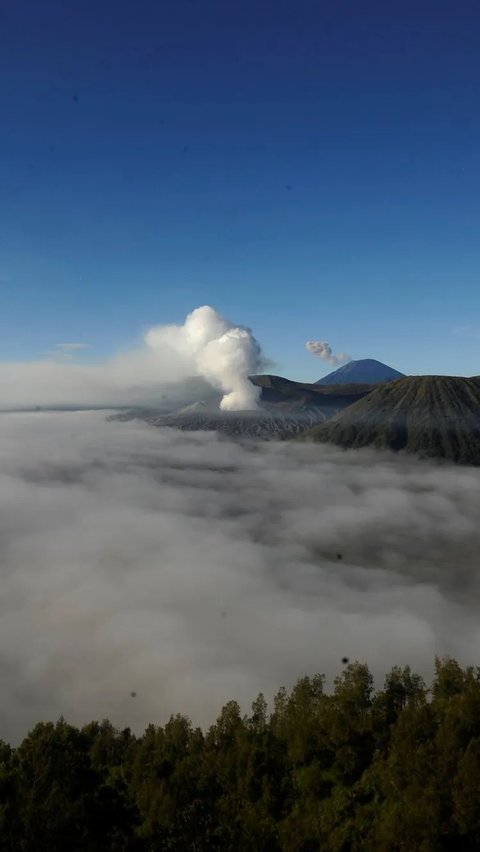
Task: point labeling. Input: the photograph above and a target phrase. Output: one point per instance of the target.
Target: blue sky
(310, 169)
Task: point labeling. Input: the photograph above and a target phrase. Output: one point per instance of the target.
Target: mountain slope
(433, 416)
(291, 396)
(364, 371)
(286, 409)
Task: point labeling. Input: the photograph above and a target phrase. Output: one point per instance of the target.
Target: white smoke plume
(205, 346)
(322, 349)
(223, 354)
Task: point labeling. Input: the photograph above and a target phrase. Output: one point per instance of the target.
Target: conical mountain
(433, 416)
(365, 371)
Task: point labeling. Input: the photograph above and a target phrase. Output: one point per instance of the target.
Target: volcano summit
(365, 371)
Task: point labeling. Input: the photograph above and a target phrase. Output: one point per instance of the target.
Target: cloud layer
(191, 569)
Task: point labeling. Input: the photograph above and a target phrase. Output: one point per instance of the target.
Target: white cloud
(192, 569)
(470, 330)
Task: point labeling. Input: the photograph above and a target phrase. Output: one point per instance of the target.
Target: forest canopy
(396, 768)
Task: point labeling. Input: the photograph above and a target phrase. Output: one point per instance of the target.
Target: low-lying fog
(190, 570)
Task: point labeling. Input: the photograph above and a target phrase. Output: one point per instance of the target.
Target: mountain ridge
(431, 416)
(276, 390)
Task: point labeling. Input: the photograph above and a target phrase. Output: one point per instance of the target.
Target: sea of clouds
(191, 569)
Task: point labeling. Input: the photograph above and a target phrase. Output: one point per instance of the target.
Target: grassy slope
(434, 416)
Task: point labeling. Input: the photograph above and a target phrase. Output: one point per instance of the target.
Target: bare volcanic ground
(433, 416)
(234, 424)
(286, 409)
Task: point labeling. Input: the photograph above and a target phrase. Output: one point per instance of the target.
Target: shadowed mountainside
(433, 416)
(277, 390)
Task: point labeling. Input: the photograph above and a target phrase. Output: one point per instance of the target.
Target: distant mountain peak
(363, 371)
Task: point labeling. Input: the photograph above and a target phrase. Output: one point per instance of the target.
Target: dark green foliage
(354, 769)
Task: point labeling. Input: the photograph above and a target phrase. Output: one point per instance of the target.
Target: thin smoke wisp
(321, 349)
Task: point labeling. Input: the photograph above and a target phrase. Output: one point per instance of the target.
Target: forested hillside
(355, 769)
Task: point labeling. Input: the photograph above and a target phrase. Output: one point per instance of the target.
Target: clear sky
(311, 169)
